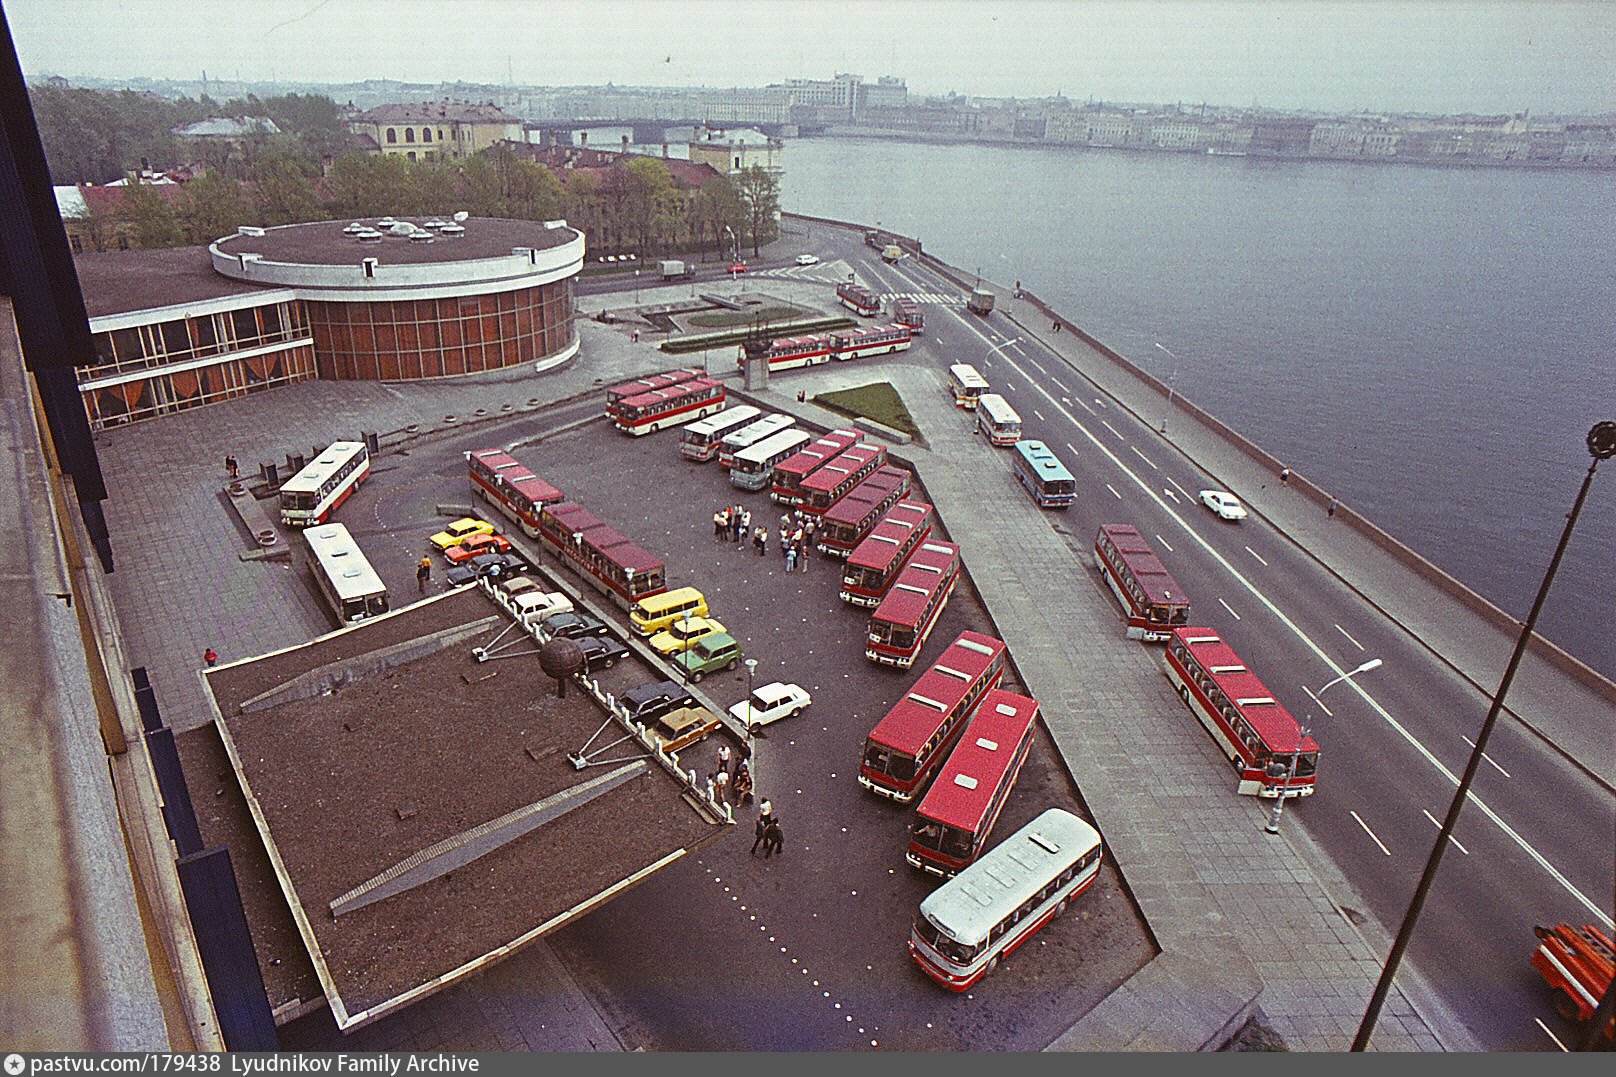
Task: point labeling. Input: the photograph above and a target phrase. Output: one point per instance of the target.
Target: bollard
(267, 472)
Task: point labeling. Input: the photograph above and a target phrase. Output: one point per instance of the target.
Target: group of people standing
(728, 785)
(733, 523)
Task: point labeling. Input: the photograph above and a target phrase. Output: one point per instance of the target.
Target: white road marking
(1030, 359)
(1371, 833)
(1230, 608)
(1551, 1035)
(1072, 447)
(1170, 495)
(1164, 543)
(1037, 416)
(1254, 553)
(1145, 458)
(1059, 385)
(1085, 407)
(1187, 496)
(1487, 757)
(1438, 825)
(1350, 640)
(1113, 429)
(1113, 490)
(1317, 702)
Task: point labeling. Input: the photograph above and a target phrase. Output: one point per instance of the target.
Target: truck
(981, 301)
(891, 253)
(674, 269)
(1576, 963)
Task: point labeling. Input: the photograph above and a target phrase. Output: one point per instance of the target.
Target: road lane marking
(1171, 496)
(1183, 491)
(1317, 702)
(1487, 757)
(1060, 385)
(1350, 640)
(1113, 490)
(1085, 407)
(1164, 543)
(1255, 554)
(1551, 1035)
(1072, 447)
(1145, 458)
(1230, 608)
(1385, 716)
(1113, 429)
(1037, 416)
(1438, 825)
(1033, 361)
(1371, 833)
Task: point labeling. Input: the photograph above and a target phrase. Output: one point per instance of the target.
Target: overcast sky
(1428, 55)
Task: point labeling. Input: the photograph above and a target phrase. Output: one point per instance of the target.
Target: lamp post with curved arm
(1171, 377)
(1289, 773)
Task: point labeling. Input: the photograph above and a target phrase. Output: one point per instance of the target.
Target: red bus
(900, 624)
(906, 312)
(672, 405)
(1250, 727)
(510, 487)
(789, 353)
(844, 524)
(788, 475)
(619, 393)
(876, 562)
(876, 340)
(858, 299)
(955, 817)
(917, 733)
(830, 483)
(613, 565)
(1152, 601)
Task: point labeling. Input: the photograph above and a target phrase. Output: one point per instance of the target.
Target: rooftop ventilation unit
(355, 228)
(453, 230)
(248, 230)
(369, 235)
(461, 215)
(421, 236)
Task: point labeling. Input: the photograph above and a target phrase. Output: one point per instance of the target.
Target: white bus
(997, 419)
(749, 435)
(343, 575)
(969, 924)
(754, 467)
(966, 385)
(310, 496)
(700, 440)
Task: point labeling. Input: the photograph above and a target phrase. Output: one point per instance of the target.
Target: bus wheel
(1565, 1005)
(993, 963)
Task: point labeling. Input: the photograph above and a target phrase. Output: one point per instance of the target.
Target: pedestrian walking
(209, 657)
(802, 395)
(1284, 474)
(1331, 510)
(765, 810)
(230, 465)
(712, 783)
(721, 781)
(423, 572)
(759, 829)
(760, 538)
(773, 838)
(1054, 327)
(791, 559)
(723, 757)
(719, 524)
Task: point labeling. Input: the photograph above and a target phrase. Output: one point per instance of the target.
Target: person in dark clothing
(759, 832)
(423, 572)
(230, 465)
(773, 836)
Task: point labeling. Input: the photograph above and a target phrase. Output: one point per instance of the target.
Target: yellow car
(677, 637)
(684, 727)
(459, 531)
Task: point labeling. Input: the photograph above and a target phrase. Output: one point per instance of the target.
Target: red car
(738, 267)
(475, 545)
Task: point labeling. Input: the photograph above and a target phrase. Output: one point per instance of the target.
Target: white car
(807, 259)
(1224, 504)
(770, 703)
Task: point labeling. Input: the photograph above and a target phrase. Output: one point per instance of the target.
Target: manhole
(532, 401)
(412, 428)
(450, 419)
(505, 407)
(237, 489)
(481, 412)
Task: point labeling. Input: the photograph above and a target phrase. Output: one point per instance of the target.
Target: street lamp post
(751, 664)
(1171, 377)
(1290, 773)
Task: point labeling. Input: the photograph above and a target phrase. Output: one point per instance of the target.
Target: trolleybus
(613, 565)
(905, 747)
(969, 925)
(1045, 477)
(1264, 743)
(617, 394)
(906, 312)
(699, 440)
(509, 486)
(955, 817)
(787, 481)
(844, 524)
(346, 580)
(754, 466)
(900, 624)
(753, 432)
(830, 483)
(997, 420)
(1152, 601)
(876, 562)
(966, 385)
(310, 496)
(669, 406)
(858, 299)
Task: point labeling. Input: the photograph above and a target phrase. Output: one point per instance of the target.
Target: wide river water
(1430, 344)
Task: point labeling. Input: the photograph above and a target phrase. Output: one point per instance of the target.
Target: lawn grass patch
(721, 318)
(877, 401)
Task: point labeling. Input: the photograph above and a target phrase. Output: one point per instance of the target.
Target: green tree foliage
(365, 186)
(716, 207)
(93, 137)
(155, 222)
(760, 199)
(650, 205)
(283, 190)
(213, 206)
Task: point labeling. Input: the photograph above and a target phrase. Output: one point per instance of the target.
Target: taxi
(459, 531)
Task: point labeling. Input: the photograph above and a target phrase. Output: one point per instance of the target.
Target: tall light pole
(751, 664)
(1172, 375)
(1601, 446)
(1289, 773)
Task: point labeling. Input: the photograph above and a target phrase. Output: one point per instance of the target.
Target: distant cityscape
(847, 105)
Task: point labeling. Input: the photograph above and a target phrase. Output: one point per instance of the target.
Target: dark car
(495, 566)
(647, 702)
(572, 624)
(601, 652)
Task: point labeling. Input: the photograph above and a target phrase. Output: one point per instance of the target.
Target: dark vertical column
(225, 944)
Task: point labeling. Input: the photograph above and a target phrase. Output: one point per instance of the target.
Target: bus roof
(732, 416)
(1041, 459)
(572, 517)
(781, 441)
(836, 470)
(342, 561)
(867, 494)
(913, 719)
(1270, 721)
(316, 471)
(1151, 575)
(912, 589)
(884, 540)
(814, 455)
(1008, 875)
(648, 382)
(997, 408)
(622, 552)
(966, 786)
(667, 392)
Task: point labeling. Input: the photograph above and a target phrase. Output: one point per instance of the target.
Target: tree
(717, 207)
(153, 219)
(284, 191)
(214, 206)
(365, 186)
(760, 199)
(648, 196)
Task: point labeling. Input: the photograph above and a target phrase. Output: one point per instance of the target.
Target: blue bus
(1049, 483)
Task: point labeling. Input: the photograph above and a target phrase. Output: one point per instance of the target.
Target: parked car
(770, 703)
(572, 624)
(709, 654)
(531, 606)
(807, 259)
(512, 587)
(493, 566)
(601, 652)
(678, 636)
(472, 545)
(683, 727)
(647, 702)
(1226, 505)
(459, 531)
(737, 267)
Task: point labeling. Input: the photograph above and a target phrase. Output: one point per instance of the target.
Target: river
(1430, 344)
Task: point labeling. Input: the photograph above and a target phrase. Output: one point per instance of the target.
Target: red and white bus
(671, 405)
(900, 624)
(791, 353)
(875, 340)
(762, 428)
(498, 479)
(831, 483)
(1249, 725)
(955, 817)
(971, 923)
(613, 565)
(877, 561)
(619, 393)
(858, 299)
(844, 524)
(906, 312)
(919, 731)
(699, 440)
(310, 496)
(788, 475)
(1152, 601)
